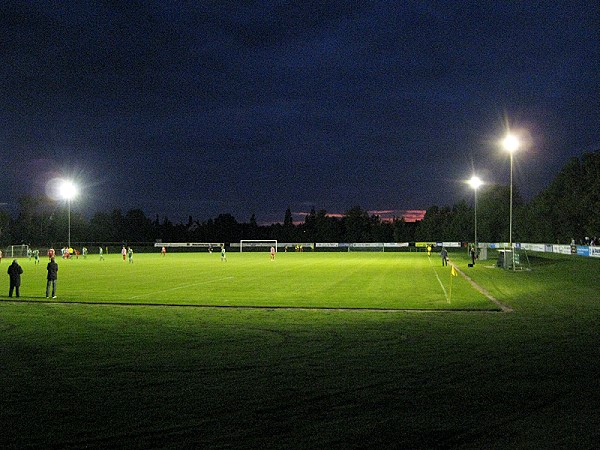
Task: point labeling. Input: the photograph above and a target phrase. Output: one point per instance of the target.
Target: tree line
(569, 208)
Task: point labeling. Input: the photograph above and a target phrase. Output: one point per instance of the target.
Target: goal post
(16, 251)
(257, 245)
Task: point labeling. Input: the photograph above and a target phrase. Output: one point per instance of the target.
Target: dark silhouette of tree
(493, 214)
(308, 230)
(462, 223)
(327, 229)
(287, 232)
(5, 228)
(381, 231)
(357, 224)
(434, 224)
(227, 228)
(137, 227)
(569, 208)
(253, 232)
(404, 231)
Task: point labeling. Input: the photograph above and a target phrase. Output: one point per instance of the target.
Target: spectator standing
(14, 272)
(52, 269)
(444, 255)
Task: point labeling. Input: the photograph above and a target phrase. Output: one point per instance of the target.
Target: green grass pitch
(309, 280)
(120, 372)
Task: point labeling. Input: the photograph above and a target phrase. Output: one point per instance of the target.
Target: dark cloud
(250, 107)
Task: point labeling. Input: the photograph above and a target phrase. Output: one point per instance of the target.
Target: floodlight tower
(511, 145)
(68, 191)
(475, 182)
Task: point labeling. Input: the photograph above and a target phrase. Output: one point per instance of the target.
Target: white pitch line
(438, 278)
(181, 287)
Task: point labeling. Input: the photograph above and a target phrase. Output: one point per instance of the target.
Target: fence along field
(293, 280)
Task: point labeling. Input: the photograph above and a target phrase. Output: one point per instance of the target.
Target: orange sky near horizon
(410, 215)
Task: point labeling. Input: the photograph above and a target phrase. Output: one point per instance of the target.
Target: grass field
(459, 375)
(310, 280)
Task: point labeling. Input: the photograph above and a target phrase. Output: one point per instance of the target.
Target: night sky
(206, 107)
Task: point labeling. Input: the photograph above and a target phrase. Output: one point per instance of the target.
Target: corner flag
(453, 273)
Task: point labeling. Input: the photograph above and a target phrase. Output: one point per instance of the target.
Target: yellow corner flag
(453, 273)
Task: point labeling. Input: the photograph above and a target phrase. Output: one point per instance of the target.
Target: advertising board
(583, 250)
(595, 252)
(562, 249)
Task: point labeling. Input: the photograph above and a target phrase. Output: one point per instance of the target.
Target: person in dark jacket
(52, 277)
(14, 272)
(444, 255)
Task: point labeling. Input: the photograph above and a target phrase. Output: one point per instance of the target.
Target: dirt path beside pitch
(502, 306)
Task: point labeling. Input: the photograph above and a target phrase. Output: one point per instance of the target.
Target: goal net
(16, 251)
(255, 245)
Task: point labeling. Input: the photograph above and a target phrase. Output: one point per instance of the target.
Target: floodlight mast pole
(68, 191)
(475, 219)
(69, 222)
(475, 182)
(511, 202)
(511, 144)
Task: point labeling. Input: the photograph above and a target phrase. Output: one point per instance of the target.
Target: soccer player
(223, 254)
(0, 256)
(36, 256)
(428, 250)
(163, 251)
(130, 255)
(101, 254)
(84, 252)
(272, 253)
(124, 253)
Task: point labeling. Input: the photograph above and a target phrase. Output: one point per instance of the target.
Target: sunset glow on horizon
(387, 215)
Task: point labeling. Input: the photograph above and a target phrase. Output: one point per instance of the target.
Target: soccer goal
(256, 245)
(17, 251)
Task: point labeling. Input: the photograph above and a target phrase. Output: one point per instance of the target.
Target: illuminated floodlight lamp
(475, 182)
(511, 143)
(67, 190)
